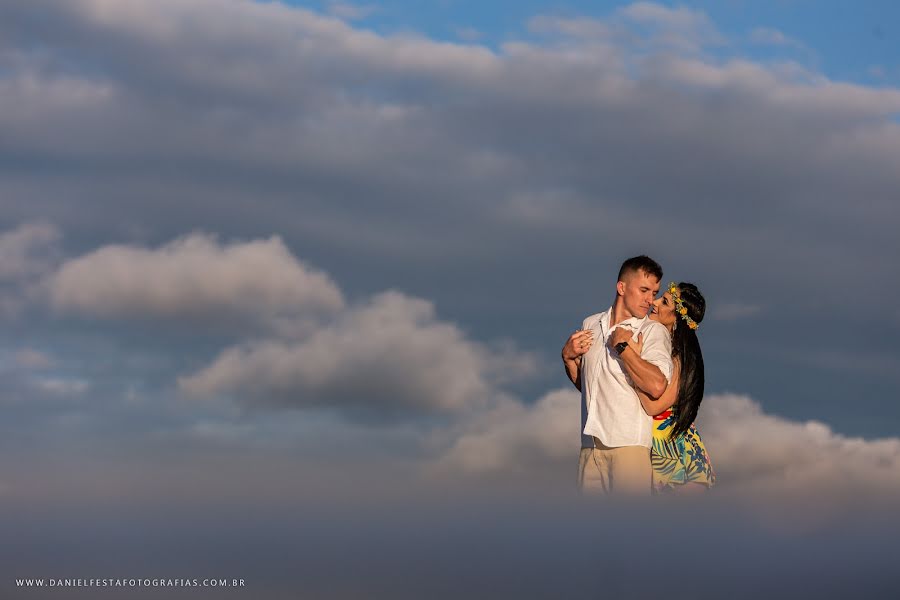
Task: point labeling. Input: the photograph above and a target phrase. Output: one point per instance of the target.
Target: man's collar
(633, 322)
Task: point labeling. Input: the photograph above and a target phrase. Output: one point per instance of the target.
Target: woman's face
(664, 310)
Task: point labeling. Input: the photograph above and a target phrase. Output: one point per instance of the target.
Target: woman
(678, 456)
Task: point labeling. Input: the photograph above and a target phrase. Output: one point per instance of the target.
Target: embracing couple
(640, 372)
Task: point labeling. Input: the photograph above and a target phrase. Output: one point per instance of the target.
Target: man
(616, 432)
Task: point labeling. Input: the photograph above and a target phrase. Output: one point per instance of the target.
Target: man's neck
(619, 312)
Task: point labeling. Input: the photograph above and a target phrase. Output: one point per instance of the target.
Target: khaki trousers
(621, 470)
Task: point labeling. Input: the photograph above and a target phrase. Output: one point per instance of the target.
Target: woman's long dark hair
(686, 348)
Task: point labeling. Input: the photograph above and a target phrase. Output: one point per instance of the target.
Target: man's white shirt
(610, 408)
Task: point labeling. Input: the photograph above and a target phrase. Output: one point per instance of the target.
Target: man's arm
(574, 348)
(646, 376)
(573, 370)
(657, 406)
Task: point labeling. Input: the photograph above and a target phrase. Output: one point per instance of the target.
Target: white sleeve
(590, 322)
(658, 349)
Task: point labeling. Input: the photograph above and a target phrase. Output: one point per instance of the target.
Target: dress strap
(663, 415)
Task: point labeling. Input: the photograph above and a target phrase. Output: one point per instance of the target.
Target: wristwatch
(620, 347)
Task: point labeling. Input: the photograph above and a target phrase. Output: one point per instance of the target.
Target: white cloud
(26, 254)
(27, 251)
(681, 28)
(57, 386)
(658, 14)
(772, 37)
(468, 34)
(758, 457)
(33, 359)
(784, 87)
(349, 11)
(799, 464)
(276, 28)
(34, 101)
(194, 277)
(387, 356)
(514, 438)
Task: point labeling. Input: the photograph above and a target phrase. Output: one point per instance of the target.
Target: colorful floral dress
(678, 461)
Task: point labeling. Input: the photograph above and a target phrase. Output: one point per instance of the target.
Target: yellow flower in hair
(680, 308)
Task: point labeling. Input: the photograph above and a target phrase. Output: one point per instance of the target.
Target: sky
(850, 41)
(291, 280)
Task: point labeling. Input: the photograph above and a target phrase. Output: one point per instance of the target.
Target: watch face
(620, 347)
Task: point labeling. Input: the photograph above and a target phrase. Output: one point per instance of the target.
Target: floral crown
(680, 308)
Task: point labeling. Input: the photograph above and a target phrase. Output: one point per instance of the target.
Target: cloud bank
(389, 360)
(191, 278)
(389, 356)
(762, 460)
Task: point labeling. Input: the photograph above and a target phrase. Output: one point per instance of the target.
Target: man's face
(639, 289)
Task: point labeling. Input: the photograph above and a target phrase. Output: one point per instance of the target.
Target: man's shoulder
(594, 319)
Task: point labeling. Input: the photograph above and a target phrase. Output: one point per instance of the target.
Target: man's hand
(637, 346)
(619, 335)
(577, 344)
(646, 376)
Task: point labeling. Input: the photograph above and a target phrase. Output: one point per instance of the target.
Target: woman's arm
(656, 406)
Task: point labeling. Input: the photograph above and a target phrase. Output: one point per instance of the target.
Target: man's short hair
(641, 263)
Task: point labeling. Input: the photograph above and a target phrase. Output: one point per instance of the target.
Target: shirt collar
(632, 322)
